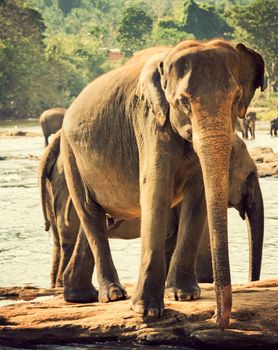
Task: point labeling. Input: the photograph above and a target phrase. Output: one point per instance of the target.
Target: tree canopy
(51, 49)
(257, 23)
(134, 30)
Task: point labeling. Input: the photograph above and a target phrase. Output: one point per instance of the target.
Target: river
(25, 248)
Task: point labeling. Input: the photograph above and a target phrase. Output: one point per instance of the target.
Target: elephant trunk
(254, 209)
(214, 154)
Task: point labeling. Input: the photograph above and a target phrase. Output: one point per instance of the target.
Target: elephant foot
(59, 284)
(111, 292)
(190, 291)
(147, 307)
(89, 295)
(146, 304)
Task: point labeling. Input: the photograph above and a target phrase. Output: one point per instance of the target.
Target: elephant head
(206, 85)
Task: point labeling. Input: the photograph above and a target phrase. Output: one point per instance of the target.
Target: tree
(258, 27)
(199, 21)
(204, 22)
(21, 49)
(67, 5)
(134, 30)
(168, 36)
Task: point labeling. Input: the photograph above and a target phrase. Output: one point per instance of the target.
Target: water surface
(25, 248)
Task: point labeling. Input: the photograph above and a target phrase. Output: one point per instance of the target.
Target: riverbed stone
(19, 133)
(266, 161)
(48, 319)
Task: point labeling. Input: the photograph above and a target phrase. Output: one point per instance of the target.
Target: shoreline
(51, 320)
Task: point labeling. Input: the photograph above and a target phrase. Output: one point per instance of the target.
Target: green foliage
(50, 49)
(67, 5)
(82, 57)
(199, 21)
(168, 36)
(204, 22)
(257, 24)
(21, 52)
(134, 30)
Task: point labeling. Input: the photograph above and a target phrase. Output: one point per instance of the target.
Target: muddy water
(25, 249)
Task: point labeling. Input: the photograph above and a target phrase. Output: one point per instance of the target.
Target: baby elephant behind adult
(51, 121)
(54, 196)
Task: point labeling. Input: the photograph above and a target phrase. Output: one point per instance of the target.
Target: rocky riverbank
(15, 132)
(266, 161)
(48, 319)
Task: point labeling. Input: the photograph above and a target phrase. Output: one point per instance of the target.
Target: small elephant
(247, 124)
(51, 121)
(274, 127)
(124, 150)
(244, 194)
(56, 208)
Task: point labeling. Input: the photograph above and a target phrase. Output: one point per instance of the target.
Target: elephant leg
(77, 277)
(204, 262)
(68, 236)
(246, 132)
(172, 234)
(275, 130)
(155, 203)
(66, 253)
(181, 281)
(55, 257)
(93, 221)
(253, 130)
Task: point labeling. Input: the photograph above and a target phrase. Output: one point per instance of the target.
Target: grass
(267, 104)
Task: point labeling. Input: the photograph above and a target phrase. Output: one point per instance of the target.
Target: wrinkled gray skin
(247, 125)
(274, 127)
(124, 153)
(56, 207)
(51, 121)
(244, 194)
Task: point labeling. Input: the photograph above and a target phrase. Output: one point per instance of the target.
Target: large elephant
(244, 195)
(274, 127)
(51, 121)
(124, 154)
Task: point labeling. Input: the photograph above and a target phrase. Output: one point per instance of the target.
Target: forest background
(51, 49)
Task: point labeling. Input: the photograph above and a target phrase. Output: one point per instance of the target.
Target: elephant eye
(185, 103)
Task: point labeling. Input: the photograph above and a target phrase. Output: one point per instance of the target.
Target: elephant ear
(149, 89)
(251, 75)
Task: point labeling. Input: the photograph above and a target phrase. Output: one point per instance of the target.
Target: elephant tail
(68, 209)
(47, 163)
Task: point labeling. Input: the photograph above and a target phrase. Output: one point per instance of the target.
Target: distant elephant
(124, 153)
(274, 127)
(247, 125)
(51, 121)
(244, 194)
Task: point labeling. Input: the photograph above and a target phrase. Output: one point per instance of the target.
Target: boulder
(266, 161)
(48, 319)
